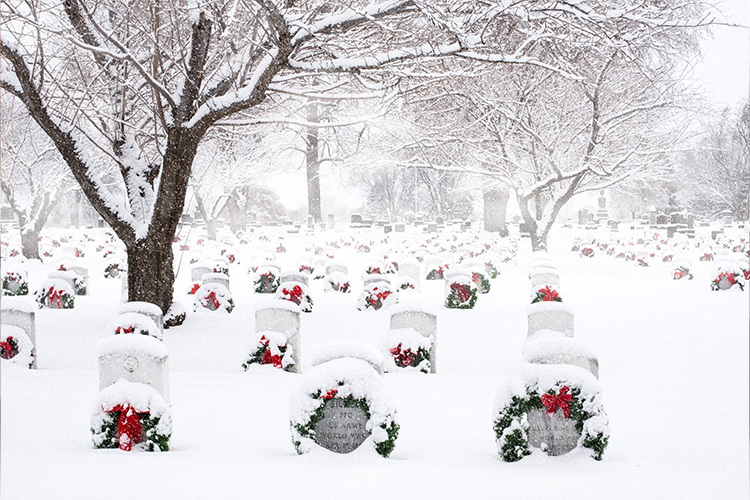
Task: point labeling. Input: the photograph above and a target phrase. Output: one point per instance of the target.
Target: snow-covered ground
(673, 367)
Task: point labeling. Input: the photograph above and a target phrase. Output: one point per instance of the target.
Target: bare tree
(141, 83)
(34, 177)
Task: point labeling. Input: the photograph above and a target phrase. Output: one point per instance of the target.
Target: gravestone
(341, 349)
(555, 435)
(544, 276)
(336, 268)
(83, 272)
(422, 321)
(662, 219)
(331, 221)
(614, 225)
(294, 276)
(432, 227)
(374, 278)
(151, 310)
(342, 429)
(281, 316)
(676, 218)
(197, 272)
(583, 217)
(220, 278)
(552, 316)
(18, 313)
(691, 221)
(400, 228)
(411, 270)
(601, 212)
(137, 358)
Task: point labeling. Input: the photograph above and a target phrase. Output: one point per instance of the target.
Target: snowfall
(673, 357)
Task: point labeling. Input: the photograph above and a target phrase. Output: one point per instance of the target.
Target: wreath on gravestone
(492, 270)
(682, 272)
(337, 282)
(437, 273)
(579, 403)
(272, 349)
(481, 280)
(114, 269)
(408, 349)
(55, 294)
(460, 293)
(546, 294)
(16, 347)
(296, 293)
(587, 251)
(131, 415)
(221, 269)
(376, 296)
(726, 280)
(15, 284)
(406, 283)
(266, 282)
(380, 415)
(213, 297)
(131, 322)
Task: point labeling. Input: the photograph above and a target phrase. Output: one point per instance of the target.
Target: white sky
(725, 69)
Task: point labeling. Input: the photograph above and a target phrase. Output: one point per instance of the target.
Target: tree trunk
(495, 207)
(237, 218)
(150, 272)
(207, 218)
(30, 244)
(313, 165)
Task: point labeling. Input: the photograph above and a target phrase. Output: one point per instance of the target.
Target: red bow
(6, 347)
(679, 274)
(295, 294)
(121, 329)
(552, 402)
(330, 394)
(129, 425)
(548, 294)
(54, 295)
(214, 302)
(462, 291)
(403, 358)
(268, 358)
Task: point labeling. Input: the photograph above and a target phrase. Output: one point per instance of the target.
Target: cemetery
(502, 363)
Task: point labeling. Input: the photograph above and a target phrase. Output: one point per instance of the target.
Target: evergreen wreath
(213, 296)
(727, 277)
(339, 287)
(481, 281)
(376, 296)
(15, 284)
(460, 295)
(53, 296)
(306, 430)
(113, 270)
(546, 294)
(175, 315)
(266, 282)
(682, 272)
(17, 348)
(270, 352)
(511, 427)
(405, 358)
(79, 285)
(437, 273)
(587, 251)
(296, 293)
(492, 270)
(152, 426)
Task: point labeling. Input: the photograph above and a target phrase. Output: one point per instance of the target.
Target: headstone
(387, 228)
(422, 321)
(726, 220)
(19, 313)
(676, 218)
(197, 272)
(220, 278)
(373, 278)
(552, 316)
(343, 349)
(556, 435)
(279, 316)
(662, 219)
(342, 429)
(83, 272)
(691, 221)
(137, 358)
(601, 212)
(614, 226)
(400, 228)
(432, 227)
(671, 231)
(151, 310)
(331, 221)
(583, 216)
(411, 270)
(336, 268)
(294, 276)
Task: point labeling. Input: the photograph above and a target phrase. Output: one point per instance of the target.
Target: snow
(673, 375)
(345, 349)
(132, 345)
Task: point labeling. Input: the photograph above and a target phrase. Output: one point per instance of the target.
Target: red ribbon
(129, 425)
(330, 394)
(214, 302)
(268, 358)
(295, 294)
(7, 348)
(552, 402)
(548, 294)
(54, 295)
(124, 330)
(462, 291)
(196, 287)
(402, 358)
